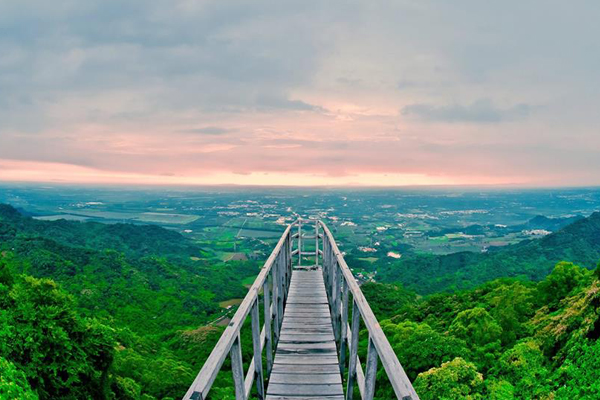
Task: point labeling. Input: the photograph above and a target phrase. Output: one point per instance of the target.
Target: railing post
(344, 326)
(281, 295)
(332, 299)
(289, 258)
(268, 318)
(325, 263)
(237, 368)
(299, 242)
(258, 369)
(353, 351)
(371, 372)
(316, 243)
(275, 305)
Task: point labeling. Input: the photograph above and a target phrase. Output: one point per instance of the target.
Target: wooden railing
(340, 283)
(274, 280)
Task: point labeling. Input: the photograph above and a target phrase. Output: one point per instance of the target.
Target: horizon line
(315, 186)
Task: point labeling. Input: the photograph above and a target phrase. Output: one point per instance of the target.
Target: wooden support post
(316, 243)
(353, 351)
(344, 326)
(281, 294)
(335, 307)
(256, 345)
(325, 263)
(289, 259)
(275, 311)
(299, 242)
(371, 372)
(268, 318)
(332, 293)
(288, 275)
(237, 368)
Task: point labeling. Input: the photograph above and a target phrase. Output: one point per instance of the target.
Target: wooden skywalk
(306, 363)
(305, 345)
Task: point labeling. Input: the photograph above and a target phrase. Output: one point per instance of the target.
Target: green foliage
(527, 340)
(525, 366)
(107, 317)
(511, 306)
(62, 354)
(579, 376)
(500, 390)
(387, 300)
(113, 274)
(116, 272)
(420, 348)
(476, 326)
(565, 277)
(456, 379)
(13, 383)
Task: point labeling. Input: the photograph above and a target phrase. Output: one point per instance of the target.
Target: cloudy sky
(300, 92)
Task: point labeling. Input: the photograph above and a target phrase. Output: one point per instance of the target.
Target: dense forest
(89, 310)
(506, 339)
(533, 259)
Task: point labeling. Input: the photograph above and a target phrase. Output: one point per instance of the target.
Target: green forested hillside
(121, 312)
(140, 276)
(89, 310)
(578, 242)
(507, 339)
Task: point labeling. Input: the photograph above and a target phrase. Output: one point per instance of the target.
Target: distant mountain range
(578, 242)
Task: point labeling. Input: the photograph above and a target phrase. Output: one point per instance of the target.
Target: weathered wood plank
(306, 337)
(311, 308)
(313, 359)
(305, 379)
(293, 346)
(306, 364)
(335, 397)
(305, 390)
(306, 369)
(306, 329)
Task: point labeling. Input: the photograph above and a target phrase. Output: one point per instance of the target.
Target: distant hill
(550, 224)
(142, 276)
(578, 242)
(537, 222)
(133, 240)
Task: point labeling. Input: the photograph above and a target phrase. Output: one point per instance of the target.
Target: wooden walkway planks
(306, 365)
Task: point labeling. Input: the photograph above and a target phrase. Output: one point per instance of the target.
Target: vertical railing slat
(275, 302)
(256, 346)
(332, 299)
(299, 242)
(267, 317)
(353, 351)
(344, 326)
(281, 294)
(237, 368)
(316, 244)
(371, 371)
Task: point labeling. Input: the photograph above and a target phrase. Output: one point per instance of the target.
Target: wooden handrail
(229, 342)
(379, 346)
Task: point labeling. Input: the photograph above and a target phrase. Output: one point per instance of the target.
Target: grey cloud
(159, 66)
(277, 102)
(209, 130)
(481, 111)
